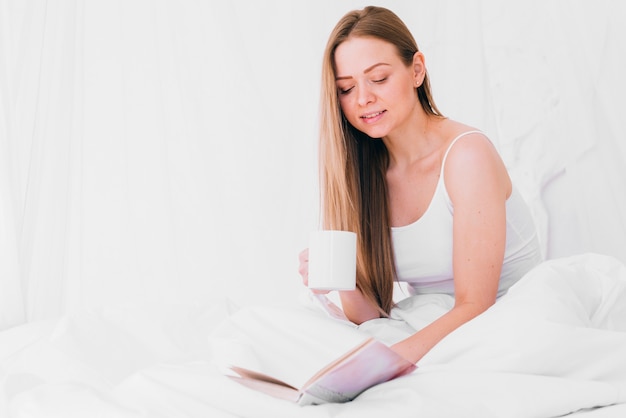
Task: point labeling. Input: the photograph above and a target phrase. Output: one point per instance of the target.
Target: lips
(373, 115)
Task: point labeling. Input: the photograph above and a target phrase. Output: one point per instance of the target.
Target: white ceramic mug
(332, 260)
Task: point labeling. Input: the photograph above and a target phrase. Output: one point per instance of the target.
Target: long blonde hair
(353, 165)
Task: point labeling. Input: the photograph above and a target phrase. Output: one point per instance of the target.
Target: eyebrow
(367, 70)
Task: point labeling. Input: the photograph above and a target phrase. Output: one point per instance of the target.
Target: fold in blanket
(560, 331)
(552, 346)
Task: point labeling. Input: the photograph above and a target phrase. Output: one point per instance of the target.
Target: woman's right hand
(304, 271)
(359, 309)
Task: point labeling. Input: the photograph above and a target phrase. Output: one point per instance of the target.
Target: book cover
(366, 365)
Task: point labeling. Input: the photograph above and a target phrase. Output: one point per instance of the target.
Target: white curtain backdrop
(164, 151)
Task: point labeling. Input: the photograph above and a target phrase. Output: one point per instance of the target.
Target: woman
(429, 198)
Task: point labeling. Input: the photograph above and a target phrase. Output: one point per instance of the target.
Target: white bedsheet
(554, 345)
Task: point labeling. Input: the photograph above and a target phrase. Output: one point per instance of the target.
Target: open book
(368, 364)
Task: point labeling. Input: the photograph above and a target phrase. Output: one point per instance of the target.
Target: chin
(372, 131)
(374, 134)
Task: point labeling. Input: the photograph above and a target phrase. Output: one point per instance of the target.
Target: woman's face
(376, 89)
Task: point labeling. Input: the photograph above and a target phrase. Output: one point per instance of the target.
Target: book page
(271, 386)
(370, 364)
(251, 374)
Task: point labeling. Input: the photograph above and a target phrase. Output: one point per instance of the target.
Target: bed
(554, 345)
(132, 272)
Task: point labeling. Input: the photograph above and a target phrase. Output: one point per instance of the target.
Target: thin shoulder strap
(443, 162)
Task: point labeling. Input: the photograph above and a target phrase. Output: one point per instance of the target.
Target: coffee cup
(332, 260)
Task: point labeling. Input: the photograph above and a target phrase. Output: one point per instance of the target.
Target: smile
(371, 117)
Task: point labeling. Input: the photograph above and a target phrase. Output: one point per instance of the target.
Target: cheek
(409, 92)
(344, 103)
(347, 108)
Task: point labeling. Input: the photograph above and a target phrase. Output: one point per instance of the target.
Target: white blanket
(555, 344)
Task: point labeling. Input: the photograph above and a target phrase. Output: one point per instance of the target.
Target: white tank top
(423, 249)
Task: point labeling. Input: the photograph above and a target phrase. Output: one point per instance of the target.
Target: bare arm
(478, 185)
(357, 307)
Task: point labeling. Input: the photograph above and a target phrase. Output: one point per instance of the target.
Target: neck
(416, 141)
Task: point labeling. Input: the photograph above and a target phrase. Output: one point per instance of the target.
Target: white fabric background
(159, 152)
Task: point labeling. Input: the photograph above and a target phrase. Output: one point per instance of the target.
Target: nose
(365, 95)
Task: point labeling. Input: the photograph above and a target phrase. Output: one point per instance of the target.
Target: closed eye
(345, 91)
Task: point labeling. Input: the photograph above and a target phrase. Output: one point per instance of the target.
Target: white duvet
(554, 345)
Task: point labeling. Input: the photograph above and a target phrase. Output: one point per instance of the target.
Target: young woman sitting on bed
(429, 197)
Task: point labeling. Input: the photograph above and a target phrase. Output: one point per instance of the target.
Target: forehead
(356, 54)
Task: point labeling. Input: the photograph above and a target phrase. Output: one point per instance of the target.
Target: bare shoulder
(472, 145)
(474, 162)
(468, 141)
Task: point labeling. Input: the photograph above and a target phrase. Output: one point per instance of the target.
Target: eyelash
(344, 92)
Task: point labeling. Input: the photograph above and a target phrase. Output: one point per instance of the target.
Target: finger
(304, 270)
(304, 255)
